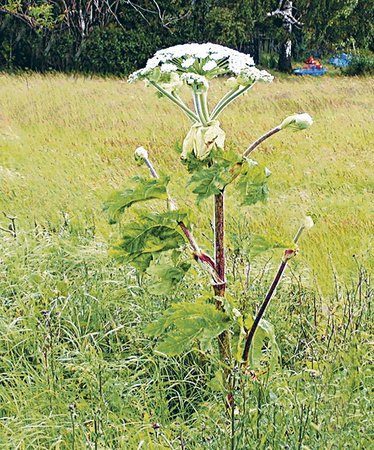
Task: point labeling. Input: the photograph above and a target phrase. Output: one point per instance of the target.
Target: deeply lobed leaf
(148, 236)
(252, 183)
(140, 190)
(165, 276)
(190, 322)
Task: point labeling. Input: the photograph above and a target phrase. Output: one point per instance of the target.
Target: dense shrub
(361, 64)
(112, 50)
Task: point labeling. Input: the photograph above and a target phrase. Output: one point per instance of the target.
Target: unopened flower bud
(307, 223)
(141, 152)
(297, 122)
(267, 172)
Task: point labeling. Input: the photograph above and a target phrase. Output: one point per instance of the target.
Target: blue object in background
(342, 60)
(312, 71)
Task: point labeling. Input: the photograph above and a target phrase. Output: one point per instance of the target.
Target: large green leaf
(185, 323)
(165, 276)
(140, 189)
(252, 183)
(150, 235)
(208, 181)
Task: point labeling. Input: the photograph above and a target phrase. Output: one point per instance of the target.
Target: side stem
(177, 101)
(287, 255)
(261, 312)
(230, 99)
(199, 255)
(261, 139)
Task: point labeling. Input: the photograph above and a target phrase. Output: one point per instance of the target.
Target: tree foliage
(116, 37)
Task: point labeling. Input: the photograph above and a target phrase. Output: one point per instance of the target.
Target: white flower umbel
(194, 65)
(210, 65)
(297, 122)
(188, 63)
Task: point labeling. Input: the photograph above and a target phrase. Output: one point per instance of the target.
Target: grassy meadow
(76, 370)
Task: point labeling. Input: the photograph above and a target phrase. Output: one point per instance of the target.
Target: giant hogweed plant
(155, 241)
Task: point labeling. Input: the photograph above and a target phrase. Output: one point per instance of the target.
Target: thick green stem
(219, 289)
(176, 100)
(204, 105)
(223, 99)
(230, 99)
(198, 108)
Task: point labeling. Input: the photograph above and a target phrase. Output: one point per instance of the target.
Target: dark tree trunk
(285, 50)
(285, 56)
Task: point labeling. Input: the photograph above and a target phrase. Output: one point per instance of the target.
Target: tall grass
(76, 370)
(66, 142)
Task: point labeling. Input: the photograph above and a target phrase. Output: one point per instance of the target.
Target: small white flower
(236, 313)
(197, 81)
(188, 63)
(307, 223)
(152, 63)
(210, 65)
(141, 152)
(167, 68)
(252, 74)
(201, 51)
(297, 122)
(174, 84)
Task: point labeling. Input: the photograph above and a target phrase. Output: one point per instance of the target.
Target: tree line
(118, 36)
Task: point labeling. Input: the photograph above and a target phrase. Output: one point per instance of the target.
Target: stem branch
(199, 255)
(257, 142)
(177, 101)
(230, 99)
(287, 255)
(198, 108)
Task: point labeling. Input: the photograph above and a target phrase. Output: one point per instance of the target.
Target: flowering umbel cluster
(194, 65)
(207, 60)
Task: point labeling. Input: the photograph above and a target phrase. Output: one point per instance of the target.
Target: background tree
(116, 37)
(285, 12)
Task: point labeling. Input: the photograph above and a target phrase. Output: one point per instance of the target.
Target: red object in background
(312, 63)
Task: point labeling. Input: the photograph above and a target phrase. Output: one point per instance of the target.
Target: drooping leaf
(252, 183)
(149, 235)
(217, 384)
(259, 244)
(251, 245)
(140, 189)
(165, 276)
(185, 323)
(265, 331)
